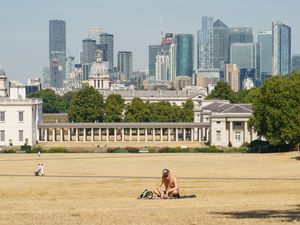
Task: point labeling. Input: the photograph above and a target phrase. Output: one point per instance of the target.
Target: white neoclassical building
(99, 77)
(19, 117)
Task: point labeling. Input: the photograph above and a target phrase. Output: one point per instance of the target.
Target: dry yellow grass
(77, 189)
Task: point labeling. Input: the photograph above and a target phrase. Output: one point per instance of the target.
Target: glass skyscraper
(57, 52)
(241, 35)
(281, 64)
(125, 64)
(296, 62)
(154, 50)
(205, 44)
(88, 56)
(108, 39)
(184, 54)
(264, 39)
(221, 44)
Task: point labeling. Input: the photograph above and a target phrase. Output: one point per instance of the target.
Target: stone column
(77, 135)
(199, 134)
(115, 134)
(100, 134)
(192, 134)
(230, 132)
(84, 134)
(146, 134)
(184, 134)
(92, 134)
(46, 134)
(245, 131)
(123, 134)
(107, 134)
(69, 134)
(130, 134)
(138, 134)
(161, 134)
(53, 134)
(169, 134)
(61, 134)
(153, 134)
(176, 134)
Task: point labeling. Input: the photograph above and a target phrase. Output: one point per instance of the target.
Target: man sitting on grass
(171, 186)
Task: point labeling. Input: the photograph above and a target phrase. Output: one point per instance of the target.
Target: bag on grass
(146, 194)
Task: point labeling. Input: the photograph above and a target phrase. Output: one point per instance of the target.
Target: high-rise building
(57, 52)
(264, 39)
(94, 33)
(45, 77)
(108, 39)
(184, 54)
(240, 35)
(205, 44)
(221, 44)
(244, 55)
(125, 64)
(88, 56)
(103, 51)
(232, 76)
(281, 63)
(296, 62)
(154, 50)
(165, 64)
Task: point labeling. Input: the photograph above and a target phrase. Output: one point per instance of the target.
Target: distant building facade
(281, 63)
(240, 35)
(125, 64)
(108, 39)
(264, 39)
(184, 54)
(232, 76)
(154, 50)
(296, 62)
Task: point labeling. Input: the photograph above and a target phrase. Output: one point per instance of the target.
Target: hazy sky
(135, 24)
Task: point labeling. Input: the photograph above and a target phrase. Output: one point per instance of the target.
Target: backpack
(146, 194)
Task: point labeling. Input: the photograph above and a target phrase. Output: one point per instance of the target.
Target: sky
(24, 37)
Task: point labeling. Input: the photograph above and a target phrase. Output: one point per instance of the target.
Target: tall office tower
(296, 62)
(108, 39)
(45, 77)
(281, 63)
(244, 55)
(154, 50)
(205, 44)
(264, 39)
(221, 44)
(94, 33)
(232, 76)
(103, 51)
(70, 65)
(184, 54)
(125, 64)
(240, 35)
(88, 56)
(57, 52)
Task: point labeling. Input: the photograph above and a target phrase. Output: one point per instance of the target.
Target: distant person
(37, 170)
(39, 154)
(42, 170)
(171, 186)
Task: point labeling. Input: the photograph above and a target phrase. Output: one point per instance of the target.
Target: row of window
(2, 135)
(237, 136)
(20, 116)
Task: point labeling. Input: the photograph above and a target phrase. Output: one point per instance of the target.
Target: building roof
(218, 107)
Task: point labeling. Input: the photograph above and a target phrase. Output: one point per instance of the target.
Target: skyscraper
(240, 35)
(154, 50)
(232, 76)
(94, 33)
(108, 39)
(184, 54)
(281, 63)
(296, 62)
(88, 56)
(125, 64)
(264, 39)
(57, 52)
(205, 44)
(221, 44)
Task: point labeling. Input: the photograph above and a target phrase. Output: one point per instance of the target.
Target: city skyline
(25, 24)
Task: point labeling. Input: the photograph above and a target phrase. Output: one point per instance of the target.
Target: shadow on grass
(292, 215)
(296, 158)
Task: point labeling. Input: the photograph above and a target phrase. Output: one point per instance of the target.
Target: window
(218, 122)
(2, 135)
(218, 136)
(238, 138)
(21, 135)
(21, 116)
(2, 116)
(237, 123)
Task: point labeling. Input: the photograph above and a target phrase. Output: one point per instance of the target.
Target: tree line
(88, 105)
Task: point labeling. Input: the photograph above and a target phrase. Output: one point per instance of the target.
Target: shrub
(8, 151)
(132, 150)
(26, 148)
(57, 150)
(36, 149)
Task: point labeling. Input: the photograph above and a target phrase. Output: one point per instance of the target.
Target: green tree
(67, 98)
(222, 91)
(246, 96)
(52, 103)
(86, 106)
(162, 112)
(187, 111)
(276, 109)
(137, 111)
(114, 107)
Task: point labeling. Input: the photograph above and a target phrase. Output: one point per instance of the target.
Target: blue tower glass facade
(184, 54)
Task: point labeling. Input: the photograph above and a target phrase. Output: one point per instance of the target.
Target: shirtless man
(170, 183)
